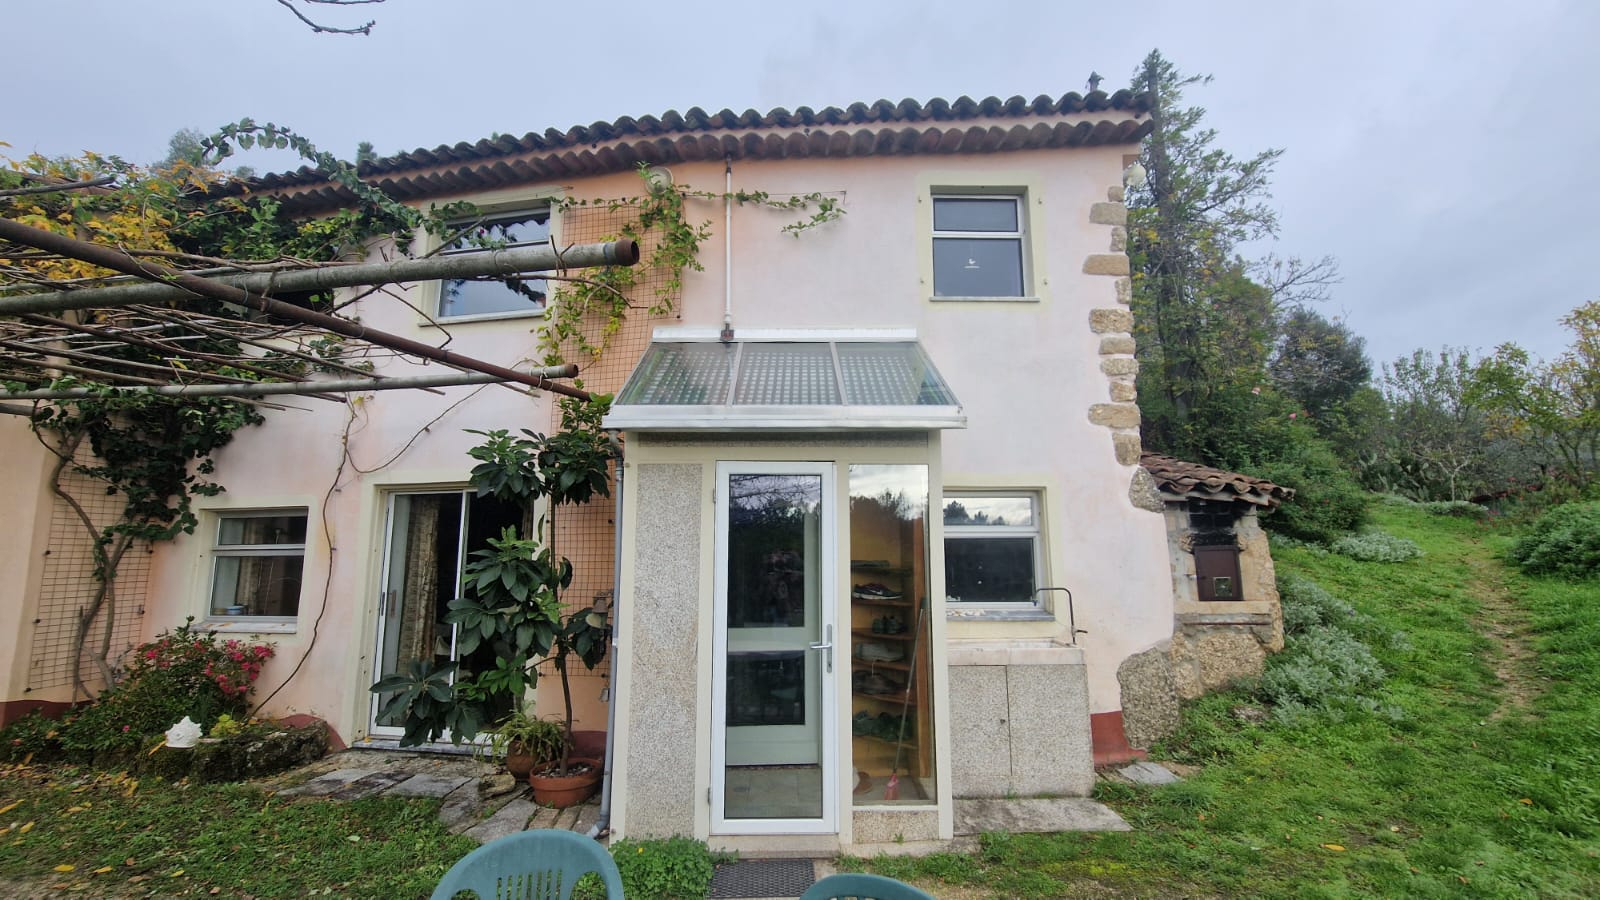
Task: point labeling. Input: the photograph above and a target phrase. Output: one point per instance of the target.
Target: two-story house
(882, 538)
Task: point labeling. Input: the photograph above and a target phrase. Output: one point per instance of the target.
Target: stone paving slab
(425, 785)
(460, 811)
(1148, 773)
(370, 785)
(1036, 816)
(327, 783)
(512, 818)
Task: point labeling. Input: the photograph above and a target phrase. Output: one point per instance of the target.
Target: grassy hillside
(1478, 775)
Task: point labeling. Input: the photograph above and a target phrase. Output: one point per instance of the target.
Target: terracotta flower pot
(519, 762)
(562, 791)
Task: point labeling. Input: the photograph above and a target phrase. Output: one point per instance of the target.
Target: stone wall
(662, 636)
(1213, 644)
(1019, 721)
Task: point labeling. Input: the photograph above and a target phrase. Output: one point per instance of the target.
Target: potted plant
(521, 741)
(511, 590)
(572, 779)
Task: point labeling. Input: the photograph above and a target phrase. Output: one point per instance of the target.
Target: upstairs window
(978, 246)
(499, 296)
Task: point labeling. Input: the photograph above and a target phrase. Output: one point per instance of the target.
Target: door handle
(826, 645)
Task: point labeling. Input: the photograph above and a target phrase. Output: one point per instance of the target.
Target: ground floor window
(257, 561)
(992, 549)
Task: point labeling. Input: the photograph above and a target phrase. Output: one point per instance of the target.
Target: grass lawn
(1489, 785)
(66, 831)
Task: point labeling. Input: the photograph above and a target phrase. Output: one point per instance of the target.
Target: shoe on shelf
(874, 591)
(874, 651)
(893, 625)
(876, 683)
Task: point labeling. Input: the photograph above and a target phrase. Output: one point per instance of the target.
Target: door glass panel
(422, 575)
(773, 715)
(890, 685)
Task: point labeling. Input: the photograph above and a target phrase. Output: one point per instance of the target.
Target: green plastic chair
(542, 864)
(863, 887)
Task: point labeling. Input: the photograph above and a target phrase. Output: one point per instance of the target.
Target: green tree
(1206, 318)
(1319, 363)
(1434, 441)
(1552, 408)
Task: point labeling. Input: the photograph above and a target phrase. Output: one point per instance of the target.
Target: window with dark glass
(978, 246)
(256, 564)
(991, 549)
(469, 297)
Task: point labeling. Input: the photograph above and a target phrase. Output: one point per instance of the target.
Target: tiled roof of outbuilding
(1179, 480)
(861, 129)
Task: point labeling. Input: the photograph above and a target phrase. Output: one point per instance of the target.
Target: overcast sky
(1444, 152)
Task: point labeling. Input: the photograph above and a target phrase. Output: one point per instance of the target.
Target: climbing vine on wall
(660, 211)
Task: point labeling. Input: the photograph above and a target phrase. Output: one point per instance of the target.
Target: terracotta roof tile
(862, 129)
(1191, 481)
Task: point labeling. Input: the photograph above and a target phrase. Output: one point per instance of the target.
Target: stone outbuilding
(1226, 614)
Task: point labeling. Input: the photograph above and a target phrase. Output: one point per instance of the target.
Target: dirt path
(1505, 622)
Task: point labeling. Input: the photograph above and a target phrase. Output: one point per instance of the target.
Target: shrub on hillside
(183, 672)
(1307, 605)
(1373, 545)
(1327, 668)
(1464, 509)
(1327, 500)
(1564, 542)
(1269, 436)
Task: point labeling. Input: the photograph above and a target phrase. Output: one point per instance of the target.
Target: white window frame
(219, 551)
(1019, 197)
(489, 212)
(1032, 608)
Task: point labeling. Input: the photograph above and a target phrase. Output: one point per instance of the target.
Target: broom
(891, 791)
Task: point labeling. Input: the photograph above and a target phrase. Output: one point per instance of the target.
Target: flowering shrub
(183, 672)
(232, 665)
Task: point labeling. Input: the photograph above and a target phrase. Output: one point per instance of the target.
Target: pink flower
(1255, 390)
(1292, 415)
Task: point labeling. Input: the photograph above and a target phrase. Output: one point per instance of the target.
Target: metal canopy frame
(176, 332)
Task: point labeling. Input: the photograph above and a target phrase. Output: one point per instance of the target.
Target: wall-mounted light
(1135, 176)
(658, 177)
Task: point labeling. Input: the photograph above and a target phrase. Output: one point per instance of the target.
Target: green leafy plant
(676, 868)
(428, 703)
(543, 739)
(1564, 542)
(34, 737)
(511, 591)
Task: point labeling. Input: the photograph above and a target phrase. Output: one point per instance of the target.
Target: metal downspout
(603, 824)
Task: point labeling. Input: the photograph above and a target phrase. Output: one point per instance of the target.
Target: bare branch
(1294, 281)
(327, 29)
(52, 188)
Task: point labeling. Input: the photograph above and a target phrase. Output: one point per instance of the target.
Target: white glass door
(773, 748)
